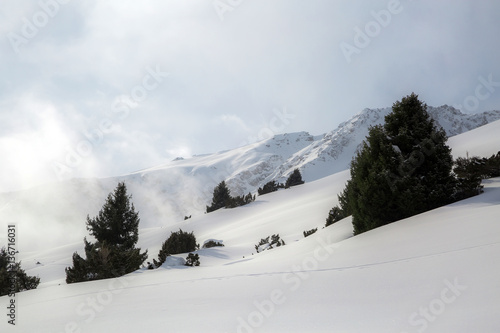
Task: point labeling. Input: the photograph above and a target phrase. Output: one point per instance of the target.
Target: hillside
(183, 187)
(434, 272)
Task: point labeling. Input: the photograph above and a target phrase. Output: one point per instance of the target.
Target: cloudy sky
(103, 88)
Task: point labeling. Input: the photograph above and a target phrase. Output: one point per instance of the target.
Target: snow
(380, 281)
(434, 272)
(482, 141)
(165, 194)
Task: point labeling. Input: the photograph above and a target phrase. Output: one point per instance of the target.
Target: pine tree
(425, 161)
(369, 191)
(116, 230)
(403, 169)
(117, 222)
(294, 179)
(221, 197)
(13, 278)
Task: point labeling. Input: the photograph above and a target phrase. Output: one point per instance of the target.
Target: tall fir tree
(116, 230)
(221, 197)
(404, 168)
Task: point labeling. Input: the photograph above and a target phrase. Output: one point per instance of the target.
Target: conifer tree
(116, 230)
(294, 179)
(13, 278)
(404, 168)
(425, 161)
(221, 197)
(269, 187)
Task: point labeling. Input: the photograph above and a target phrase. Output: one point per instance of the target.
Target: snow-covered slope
(434, 272)
(183, 187)
(483, 141)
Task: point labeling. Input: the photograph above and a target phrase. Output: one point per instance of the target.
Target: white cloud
(226, 77)
(234, 122)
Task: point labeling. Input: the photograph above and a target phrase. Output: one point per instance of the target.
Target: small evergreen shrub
(192, 260)
(162, 256)
(178, 242)
(237, 201)
(471, 171)
(268, 243)
(294, 179)
(211, 243)
(269, 187)
(480, 167)
(310, 232)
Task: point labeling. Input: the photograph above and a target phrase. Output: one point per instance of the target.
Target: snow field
(434, 272)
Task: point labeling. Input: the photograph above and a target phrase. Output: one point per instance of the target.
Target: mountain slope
(183, 187)
(435, 272)
(482, 141)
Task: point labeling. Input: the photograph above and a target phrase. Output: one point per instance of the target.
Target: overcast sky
(104, 88)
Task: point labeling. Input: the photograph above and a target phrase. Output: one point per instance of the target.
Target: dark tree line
(472, 170)
(270, 187)
(222, 198)
(294, 179)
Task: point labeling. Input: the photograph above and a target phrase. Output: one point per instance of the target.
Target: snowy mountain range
(247, 168)
(183, 187)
